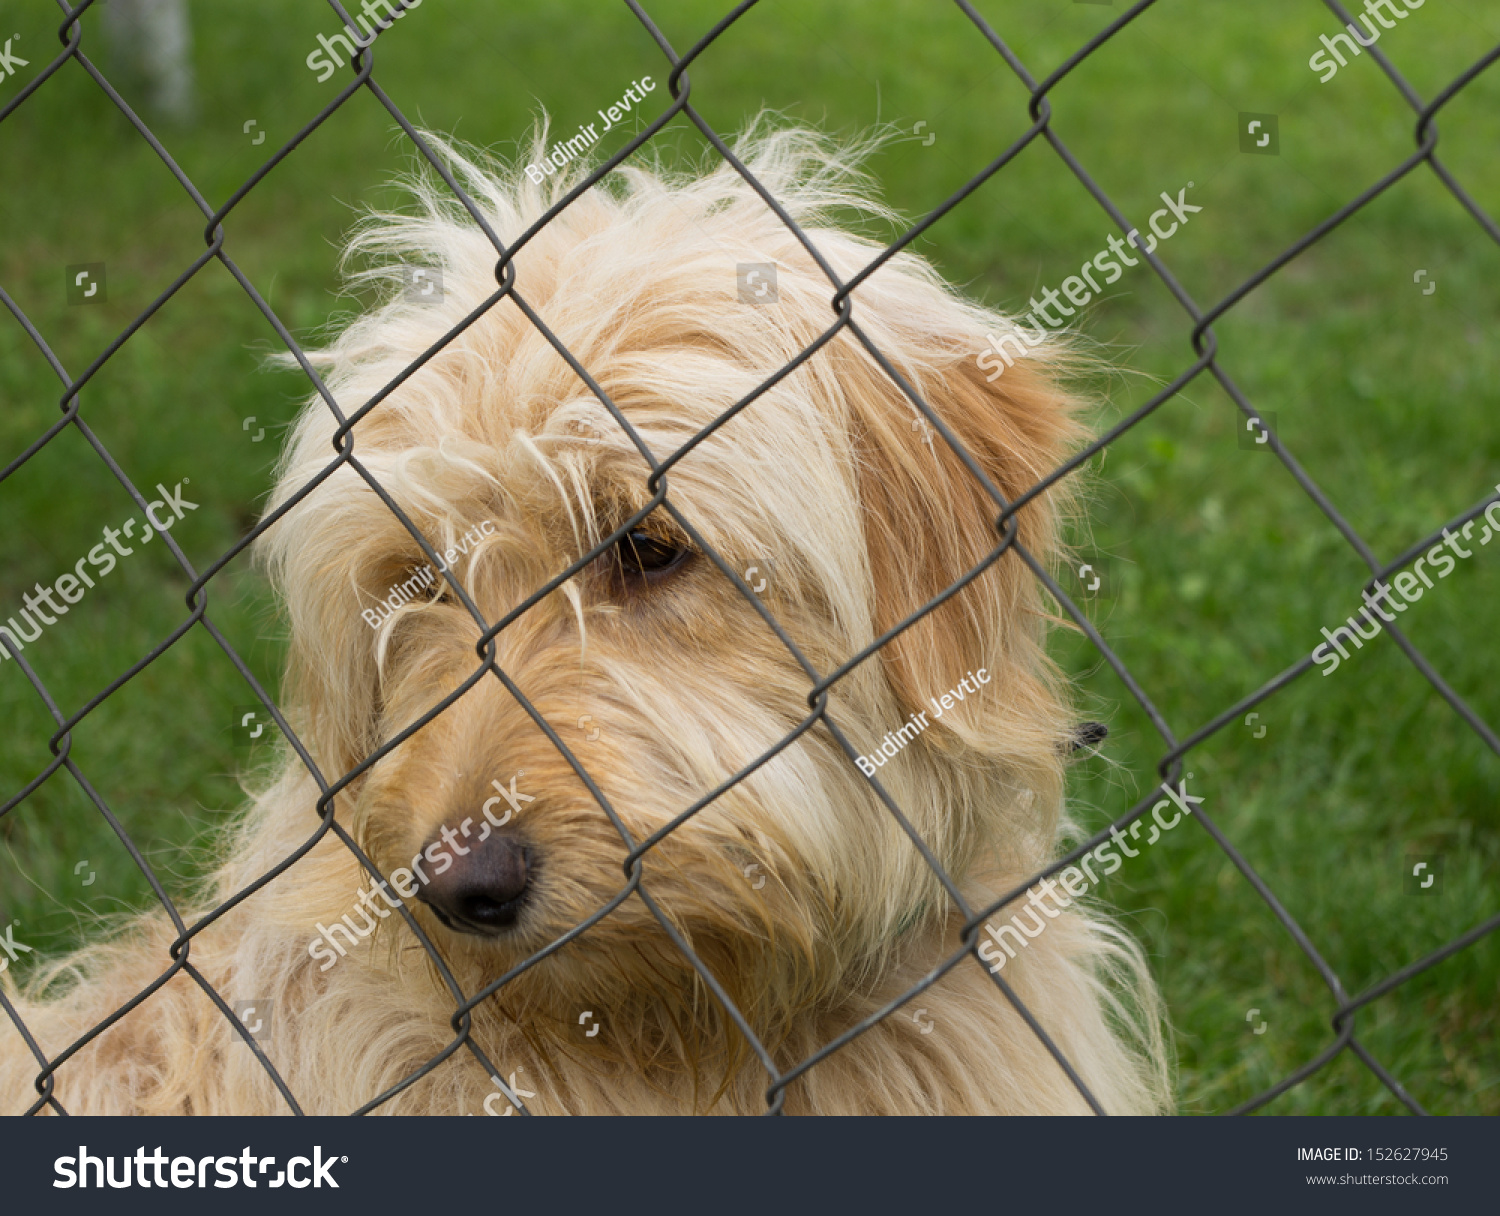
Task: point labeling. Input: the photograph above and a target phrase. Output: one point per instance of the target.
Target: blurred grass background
(1216, 571)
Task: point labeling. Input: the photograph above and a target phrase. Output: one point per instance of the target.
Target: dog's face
(649, 669)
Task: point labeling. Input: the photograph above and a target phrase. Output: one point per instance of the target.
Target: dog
(795, 895)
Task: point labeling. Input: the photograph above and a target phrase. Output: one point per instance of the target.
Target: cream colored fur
(825, 481)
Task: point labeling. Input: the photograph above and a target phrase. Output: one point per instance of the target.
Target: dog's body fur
(864, 519)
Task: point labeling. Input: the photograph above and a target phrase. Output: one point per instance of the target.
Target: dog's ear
(318, 556)
(929, 520)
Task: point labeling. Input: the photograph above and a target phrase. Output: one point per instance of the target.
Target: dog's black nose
(482, 892)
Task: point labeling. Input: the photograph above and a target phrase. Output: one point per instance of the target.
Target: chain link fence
(1198, 328)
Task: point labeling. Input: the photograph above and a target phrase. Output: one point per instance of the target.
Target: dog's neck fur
(665, 1045)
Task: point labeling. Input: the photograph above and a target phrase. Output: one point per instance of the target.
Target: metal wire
(635, 878)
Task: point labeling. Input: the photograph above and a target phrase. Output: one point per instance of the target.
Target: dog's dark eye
(642, 554)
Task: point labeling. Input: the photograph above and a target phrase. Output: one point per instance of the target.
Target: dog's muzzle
(484, 890)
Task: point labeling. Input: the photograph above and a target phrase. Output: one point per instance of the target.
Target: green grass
(1218, 571)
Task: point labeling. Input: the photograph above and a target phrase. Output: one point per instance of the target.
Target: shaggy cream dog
(797, 890)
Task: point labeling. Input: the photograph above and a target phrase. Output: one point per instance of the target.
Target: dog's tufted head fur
(649, 665)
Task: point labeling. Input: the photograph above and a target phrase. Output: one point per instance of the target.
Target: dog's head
(649, 669)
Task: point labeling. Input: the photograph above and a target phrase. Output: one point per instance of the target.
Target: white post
(151, 43)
